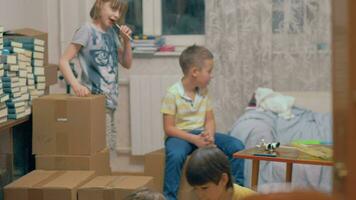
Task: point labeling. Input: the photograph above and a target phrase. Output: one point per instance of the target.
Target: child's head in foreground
(209, 172)
(197, 63)
(145, 194)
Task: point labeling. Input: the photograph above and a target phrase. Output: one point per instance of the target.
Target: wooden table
(288, 155)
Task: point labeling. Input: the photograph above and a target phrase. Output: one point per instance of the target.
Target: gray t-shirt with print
(99, 60)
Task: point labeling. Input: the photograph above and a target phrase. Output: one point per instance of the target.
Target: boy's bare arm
(209, 127)
(66, 70)
(171, 130)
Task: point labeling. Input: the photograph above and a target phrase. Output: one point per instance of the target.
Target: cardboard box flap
(99, 182)
(131, 182)
(70, 179)
(34, 179)
(28, 32)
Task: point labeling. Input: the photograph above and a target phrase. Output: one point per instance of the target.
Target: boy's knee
(176, 156)
(238, 144)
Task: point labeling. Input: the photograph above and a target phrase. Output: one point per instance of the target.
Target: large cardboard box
(27, 186)
(48, 185)
(154, 166)
(36, 34)
(99, 162)
(68, 125)
(112, 187)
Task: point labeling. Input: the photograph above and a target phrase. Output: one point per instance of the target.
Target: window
(180, 21)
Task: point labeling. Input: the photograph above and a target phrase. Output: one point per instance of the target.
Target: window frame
(152, 25)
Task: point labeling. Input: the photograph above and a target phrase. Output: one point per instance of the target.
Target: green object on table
(306, 142)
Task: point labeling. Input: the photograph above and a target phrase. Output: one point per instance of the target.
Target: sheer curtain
(280, 44)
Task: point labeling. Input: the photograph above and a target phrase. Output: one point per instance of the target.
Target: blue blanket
(255, 125)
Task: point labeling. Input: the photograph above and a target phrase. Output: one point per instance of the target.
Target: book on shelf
(38, 55)
(9, 79)
(38, 70)
(11, 90)
(31, 87)
(10, 74)
(9, 59)
(16, 110)
(14, 104)
(28, 110)
(18, 50)
(3, 119)
(2, 72)
(41, 86)
(15, 95)
(3, 112)
(16, 116)
(24, 89)
(9, 84)
(11, 67)
(40, 79)
(22, 81)
(22, 73)
(23, 58)
(37, 63)
(4, 98)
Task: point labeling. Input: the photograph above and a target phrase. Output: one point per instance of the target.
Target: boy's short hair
(206, 165)
(145, 194)
(194, 56)
(115, 4)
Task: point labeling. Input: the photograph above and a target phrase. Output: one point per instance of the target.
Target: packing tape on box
(61, 111)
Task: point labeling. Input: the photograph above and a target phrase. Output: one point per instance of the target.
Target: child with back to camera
(188, 119)
(209, 172)
(97, 46)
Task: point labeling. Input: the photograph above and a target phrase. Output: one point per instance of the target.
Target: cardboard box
(113, 187)
(36, 34)
(99, 162)
(155, 165)
(68, 125)
(27, 186)
(48, 185)
(51, 74)
(65, 186)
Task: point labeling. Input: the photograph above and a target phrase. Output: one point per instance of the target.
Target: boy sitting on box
(188, 119)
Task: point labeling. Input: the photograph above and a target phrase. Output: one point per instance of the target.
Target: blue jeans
(177, 151)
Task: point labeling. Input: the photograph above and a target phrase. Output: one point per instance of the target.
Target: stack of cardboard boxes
(69, 134)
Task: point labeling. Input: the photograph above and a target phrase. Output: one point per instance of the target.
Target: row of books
(22, 75)
(147, 44)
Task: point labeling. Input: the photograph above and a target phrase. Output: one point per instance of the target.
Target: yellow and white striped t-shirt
(189, 114)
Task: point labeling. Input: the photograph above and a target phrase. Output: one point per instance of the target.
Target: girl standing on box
(99, 50)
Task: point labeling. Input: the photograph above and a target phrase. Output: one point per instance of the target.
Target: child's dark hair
(208, 165)
(145, 194)
(121, 5)
(194, 55)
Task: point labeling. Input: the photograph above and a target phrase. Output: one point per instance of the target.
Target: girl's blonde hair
(121, 5)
